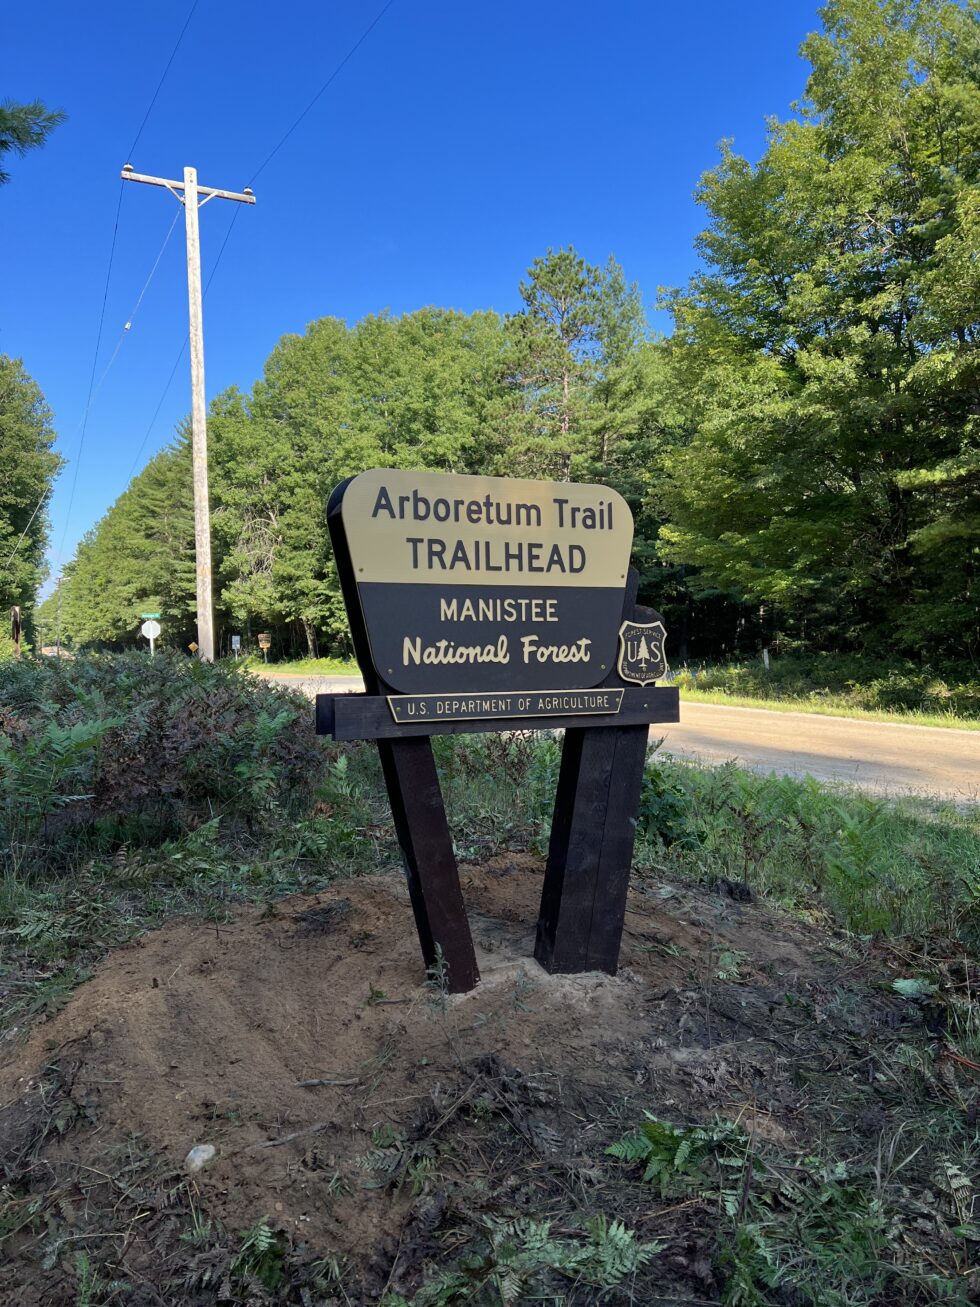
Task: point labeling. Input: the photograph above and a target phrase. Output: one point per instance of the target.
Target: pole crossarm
(176, 187)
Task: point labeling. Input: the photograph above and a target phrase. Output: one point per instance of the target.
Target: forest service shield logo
(641, 652)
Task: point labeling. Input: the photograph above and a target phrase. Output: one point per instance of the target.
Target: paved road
(875, 755)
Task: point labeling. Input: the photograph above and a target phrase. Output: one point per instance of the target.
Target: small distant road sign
(193, 646)
(149, 616)
(150, 629)
(236, 644)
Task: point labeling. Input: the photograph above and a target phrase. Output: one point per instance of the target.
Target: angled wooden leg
(618, 840)
(430, 863)
(583, 903)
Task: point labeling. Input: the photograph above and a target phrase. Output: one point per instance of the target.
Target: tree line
(801, 454)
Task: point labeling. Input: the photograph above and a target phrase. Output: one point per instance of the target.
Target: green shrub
(900, 867)
(114, 749)
(848, 681)
(665, 812)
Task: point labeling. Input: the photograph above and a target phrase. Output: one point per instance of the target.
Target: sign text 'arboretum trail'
(492, 604)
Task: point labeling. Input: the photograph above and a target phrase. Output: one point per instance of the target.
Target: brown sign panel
(478, 603)
(479, 584)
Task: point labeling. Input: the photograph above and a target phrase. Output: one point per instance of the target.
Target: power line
(136, 307)
(105, 294)
(231, 226)
(93, 394)
(95, 360)
(163, 78)
(180, 355)
(20, 538)
(353, 50)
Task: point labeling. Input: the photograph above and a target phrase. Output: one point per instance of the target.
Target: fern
(633, 1147)
(522, 1254)
(394, 1160)
(613, 1252)
(957, 1187)
(674, 1156)
(260, 1257)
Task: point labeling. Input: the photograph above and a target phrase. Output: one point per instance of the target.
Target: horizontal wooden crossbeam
(368, 717)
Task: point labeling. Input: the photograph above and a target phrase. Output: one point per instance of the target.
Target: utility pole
(193, 197)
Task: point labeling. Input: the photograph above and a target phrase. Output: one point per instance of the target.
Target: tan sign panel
(436, 528)
(472, 583)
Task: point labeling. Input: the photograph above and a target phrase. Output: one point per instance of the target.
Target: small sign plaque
(641, 652)
(411, 708)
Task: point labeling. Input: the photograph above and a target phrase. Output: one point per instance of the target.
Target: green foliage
(28, 467)
(673, 1157)
(902, 867)
(913, 987)
(142, 749)
(521, 1256)
(24, 127)
(132, 789)
(260, 1258)
(43, 774)
(802, 456)
(396, 1161)
(407, 392)
(498, 788)
(834, 472)
(139, 558)
(92, 1289)
(434, 389)
(801, 1228)
(579, 326)
(664, 809)
(843, 682)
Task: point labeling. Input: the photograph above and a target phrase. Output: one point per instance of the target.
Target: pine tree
(24, 127)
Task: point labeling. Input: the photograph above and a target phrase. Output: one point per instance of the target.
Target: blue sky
(460, 141)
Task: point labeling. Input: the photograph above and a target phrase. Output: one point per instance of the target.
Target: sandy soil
(288, 1038)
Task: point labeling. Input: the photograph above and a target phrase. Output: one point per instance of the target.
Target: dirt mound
(350, 1104)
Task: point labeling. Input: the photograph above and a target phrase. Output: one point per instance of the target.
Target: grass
(305, 667)
(880, 1219)
(841, 686)
(830, 706)
(904, 869)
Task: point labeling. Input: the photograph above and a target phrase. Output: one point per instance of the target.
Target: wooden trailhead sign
(494, 604)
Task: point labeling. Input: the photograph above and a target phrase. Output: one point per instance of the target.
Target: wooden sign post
(483, 604)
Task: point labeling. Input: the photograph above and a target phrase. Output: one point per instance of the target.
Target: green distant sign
(148, 616)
